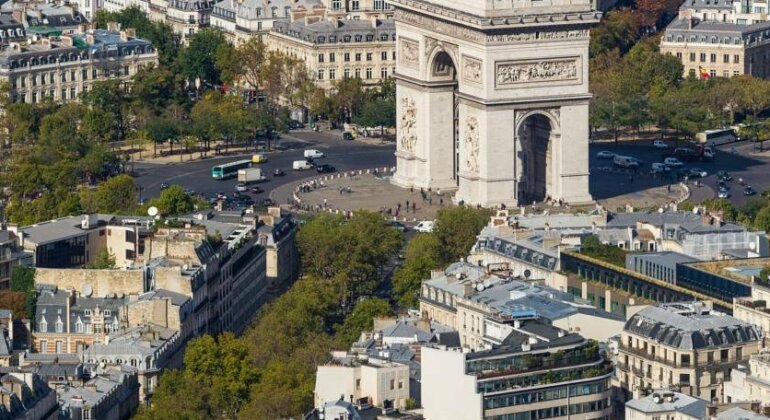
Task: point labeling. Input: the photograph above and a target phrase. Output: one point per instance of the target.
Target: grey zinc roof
(738, 413)
(529, 250)
(682, 403)
(176, 299)
(58, 229)
(707, 4)
(664, 324)
(404, 330)
(321, 31)
(684, 220)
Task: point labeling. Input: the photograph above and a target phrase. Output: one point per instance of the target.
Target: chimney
(66, 40)
(689, 22)
(46, 43)
(113, 26)
(467, 289)
(90, 40)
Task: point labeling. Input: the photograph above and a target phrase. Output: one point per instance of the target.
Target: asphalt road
(196, 175)
(754, 170)
(349, 155)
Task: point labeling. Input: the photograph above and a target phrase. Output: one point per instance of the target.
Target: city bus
(228, 170)
(716, 137)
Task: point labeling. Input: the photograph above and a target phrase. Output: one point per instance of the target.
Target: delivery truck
(251, 175)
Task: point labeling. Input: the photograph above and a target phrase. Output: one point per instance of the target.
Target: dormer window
(87, 312)
(346, 38)
(79, 326)
(358, 38)
(43, 326)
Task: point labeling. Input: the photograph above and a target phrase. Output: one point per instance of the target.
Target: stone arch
(442, 63)
(537, 132)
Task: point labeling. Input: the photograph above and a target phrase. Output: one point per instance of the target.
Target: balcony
(754, 305)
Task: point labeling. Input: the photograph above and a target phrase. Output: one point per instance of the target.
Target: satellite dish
(88, 290)
(480, 287)
(527, 273)
(152, 211)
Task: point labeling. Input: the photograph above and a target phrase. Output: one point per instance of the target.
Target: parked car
(347, 135)
(605, 154)
(659, 144)
(295, 124)
(279, 172)
(325, 168)
(241, 187)
(398, 225)
(313, 154)
(426, 226)
(672, 162)
(749, 191)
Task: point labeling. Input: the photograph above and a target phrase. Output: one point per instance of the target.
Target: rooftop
(343, 31)
(668, 402)
(738, 413)
(738, 270)
(690, 326)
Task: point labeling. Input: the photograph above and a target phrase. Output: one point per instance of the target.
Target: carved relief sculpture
(472, 144)
(410, 52)
(407, 129)
(471, 69)
(537, 71)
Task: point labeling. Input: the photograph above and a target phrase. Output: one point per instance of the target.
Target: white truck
(250, 175)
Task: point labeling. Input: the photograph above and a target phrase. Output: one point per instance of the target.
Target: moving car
(748, 190)
(724, 176)
(241, 187)
(697, 173)
(279, 172)
(426, 226)
(163, 186)
(723, 194)
(313, 154)
(671, 161)
(301, 165)
(265, 202)
(604, 154)
(256, 190)
(325, 168)
(659, 168)
(659, 144)
(259, 158)
(625, 161)
(398, 226)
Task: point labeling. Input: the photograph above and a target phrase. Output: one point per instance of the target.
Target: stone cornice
(516, 20)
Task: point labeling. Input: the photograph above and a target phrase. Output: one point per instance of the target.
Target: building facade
(541, 372)
(684, 346)
(751, 381)
(754, 309)
(334, 49)
(242, 20)
(494, 102)
(64, 68)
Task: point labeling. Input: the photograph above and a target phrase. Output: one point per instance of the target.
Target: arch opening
(535, 158)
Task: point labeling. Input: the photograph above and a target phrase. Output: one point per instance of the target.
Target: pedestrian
(668, 187)
(407, 206)
(340, 190)
(430, 201)
(398, 207)
(411, 188)
(414, 206)
(441, 202)
(502, 206)
(325, 203)
(422, 191)
(438, 191)
(397, 211)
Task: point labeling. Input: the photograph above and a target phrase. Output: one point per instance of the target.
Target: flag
(704, 74)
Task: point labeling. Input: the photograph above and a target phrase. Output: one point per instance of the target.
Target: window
(368, 56)
(400, 384)
(358, 73)
(59, 347)
(726, 73)
(736, 59)
(702, 57)
(713, 58)
(358, 56)
(738, 353)
(336, 4)
(97, 328)
(63, 94)
(685, 360)
(63, 76)
(713, 73)
(684, 378)
(679, 56)
(692, 72)
(384, 73)
(59, 326)
(726, 58)
(87, 312)
(332, 74)
(384, 55)
(692, 56)
(346, 57)
(79, 326)
(320, 58)
(320, 74)
(369, 73)
(358, 384)
(42, 326)
(107, 312)
(379, 4)
(347, 73)
(331, 57)
(354, 5)
(392, 384)
(126, 70)
(43, 346)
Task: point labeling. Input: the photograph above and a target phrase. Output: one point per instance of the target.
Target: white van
(301, 165)
(625, 161)
(313, 154)
(659, 168)
(426, 226)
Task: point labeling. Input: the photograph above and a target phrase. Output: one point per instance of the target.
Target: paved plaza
(377, 193)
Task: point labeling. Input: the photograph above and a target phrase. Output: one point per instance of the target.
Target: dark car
(325, 168)
(279, 172)
(163, 186)
(724, 176)
(748, 190)
(265, 202)
(347, 135)
(256, 190)
(398, 226)
(294, 124)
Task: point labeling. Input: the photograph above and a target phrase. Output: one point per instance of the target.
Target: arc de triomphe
(492, 98)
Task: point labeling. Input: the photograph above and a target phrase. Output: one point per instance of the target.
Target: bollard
(360, 171)
(368, 171)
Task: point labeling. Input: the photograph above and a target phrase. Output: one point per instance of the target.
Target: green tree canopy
(104, 260)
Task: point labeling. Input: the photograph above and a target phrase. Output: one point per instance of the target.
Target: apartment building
(107, 394)
(277, 231)
(10, 256)
(45, 18)
(334, 49)
(25, 395)
(539, 371)
(242, 20)
(484, 307)
(754, 309)
(750, 382)
(184, 16)
(685, 346)
(65, 67)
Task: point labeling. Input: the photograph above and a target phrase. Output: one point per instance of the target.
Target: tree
(243, 63)
(619, 29)
(423, 254)
(104, 260)
(378, 112)
(155, 87)
(456, 229)
(117, 195)
(173, 201)
(197, 61)
(724, 205)
(161, 130)
(23, 281)
(762, 221)
(361, 319)
(110, 98)
(350, 97)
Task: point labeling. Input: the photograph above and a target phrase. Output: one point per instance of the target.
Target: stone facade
(495, 104)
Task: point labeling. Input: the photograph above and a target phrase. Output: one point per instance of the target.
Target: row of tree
(270, 371)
